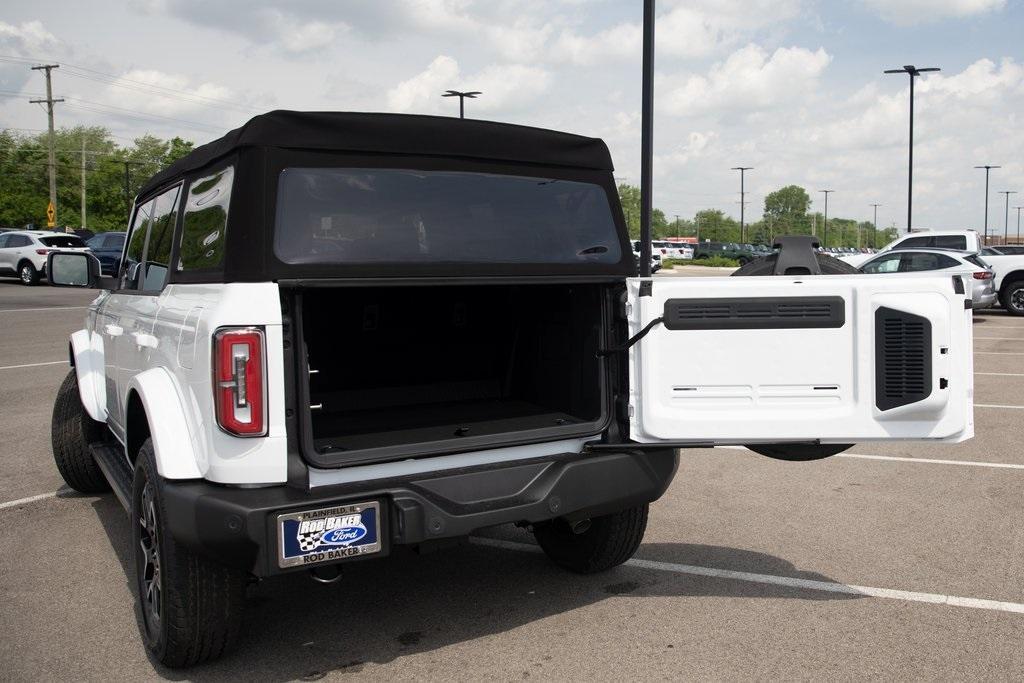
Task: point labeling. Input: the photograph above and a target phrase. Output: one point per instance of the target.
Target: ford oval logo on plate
(344, 536)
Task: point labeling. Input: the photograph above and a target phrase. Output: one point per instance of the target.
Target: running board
(111, 459)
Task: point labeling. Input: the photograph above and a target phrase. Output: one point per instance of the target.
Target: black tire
(71, 432)
(765, 265)
(608, 542)
(28, 274)
(1012, 297)
(191, 608)
(799, 452)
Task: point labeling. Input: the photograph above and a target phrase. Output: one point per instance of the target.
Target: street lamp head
(988, 167)
(912, 70)
(742, 168)
(458, 93)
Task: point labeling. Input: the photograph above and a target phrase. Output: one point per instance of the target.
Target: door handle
(143, 340)
(113, 330)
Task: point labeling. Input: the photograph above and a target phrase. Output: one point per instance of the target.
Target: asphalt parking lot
(887, 561)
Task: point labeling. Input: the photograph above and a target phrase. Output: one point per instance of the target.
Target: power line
(94, 75)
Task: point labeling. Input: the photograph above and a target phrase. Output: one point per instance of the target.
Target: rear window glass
(359, 215)
(950, 242)
(913, 242)
(62, 241)
(206, 221)
(975, 260)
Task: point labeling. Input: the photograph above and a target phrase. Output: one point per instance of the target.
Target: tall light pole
(913, 72)
(1018, 223)
(743, 204)
(646, 138)
(874, 228)
(462, 95)
(677, 225)
(987, 170)
(1006, 218)
(824, 239)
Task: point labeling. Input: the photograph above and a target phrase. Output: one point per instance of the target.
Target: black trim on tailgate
(761, 313)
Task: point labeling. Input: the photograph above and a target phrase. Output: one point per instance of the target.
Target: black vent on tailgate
(903, 359)
(755, 314)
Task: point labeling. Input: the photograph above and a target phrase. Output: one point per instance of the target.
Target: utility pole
(677, 225)
(1018, 223)
(1006, 218)
(462, 98)
(50, 139)
(913, 72)
(824, 237)
(743, 196)
(127, 184)
(987, 170)
(874, 228)
(83, 226)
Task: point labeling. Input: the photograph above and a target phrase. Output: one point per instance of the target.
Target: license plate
(326, 534)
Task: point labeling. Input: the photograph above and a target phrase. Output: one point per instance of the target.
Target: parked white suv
(23, 253)
(332, 334)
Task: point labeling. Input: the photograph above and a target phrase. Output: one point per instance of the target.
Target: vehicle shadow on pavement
(409, 604)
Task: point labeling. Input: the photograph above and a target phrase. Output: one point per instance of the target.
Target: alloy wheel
(150, 580)
(26, 274)
(1017, 299)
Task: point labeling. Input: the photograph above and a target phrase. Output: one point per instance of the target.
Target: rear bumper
(237, 527)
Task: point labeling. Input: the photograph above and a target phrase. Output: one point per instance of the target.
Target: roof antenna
(646, 140)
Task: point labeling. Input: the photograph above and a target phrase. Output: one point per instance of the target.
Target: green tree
(786, 210)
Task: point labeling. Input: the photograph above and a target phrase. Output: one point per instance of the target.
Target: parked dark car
(729, 250)
(107, 246)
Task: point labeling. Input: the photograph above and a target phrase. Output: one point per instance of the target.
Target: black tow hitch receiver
(797, 255)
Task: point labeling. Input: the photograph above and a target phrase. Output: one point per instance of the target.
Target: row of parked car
(23, 252)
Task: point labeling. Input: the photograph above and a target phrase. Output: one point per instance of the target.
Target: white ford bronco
(333, 333)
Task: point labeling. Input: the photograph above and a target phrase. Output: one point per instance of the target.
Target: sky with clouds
(793, 88)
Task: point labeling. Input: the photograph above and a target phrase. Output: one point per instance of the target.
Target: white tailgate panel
(746, 385)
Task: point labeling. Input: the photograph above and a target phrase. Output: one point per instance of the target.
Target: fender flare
(168, 428)
(87, 360)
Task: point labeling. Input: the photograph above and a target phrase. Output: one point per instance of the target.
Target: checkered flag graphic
(309, 540)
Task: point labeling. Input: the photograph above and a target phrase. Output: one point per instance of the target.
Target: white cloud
(507, 85)
(422, 89)
(308, 36)
(29, 40)
(908, 12)
(750, 79)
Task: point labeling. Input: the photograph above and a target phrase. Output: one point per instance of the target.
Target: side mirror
(74, 269)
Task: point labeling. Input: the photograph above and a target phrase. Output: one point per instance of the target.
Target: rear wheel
(28, 274)
(191, 607)
(1012, 297)
(797, 452)
(595, 546)
(71, 432)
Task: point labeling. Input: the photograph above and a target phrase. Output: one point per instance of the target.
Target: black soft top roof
(398, 134)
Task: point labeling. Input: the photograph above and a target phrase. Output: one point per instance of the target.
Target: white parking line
(32, 365)
(788, 581)
(999, 338)
(934, 461)
(992, 405)
(1001, 374)
(49, 308)
(30, 499)
(895, 458)
(1000, 353)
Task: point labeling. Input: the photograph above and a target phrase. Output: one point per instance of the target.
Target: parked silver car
(923, 260)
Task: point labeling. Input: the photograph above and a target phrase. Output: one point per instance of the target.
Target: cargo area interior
(391, 366)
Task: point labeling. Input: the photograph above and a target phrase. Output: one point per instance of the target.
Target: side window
(917, 262)
(132, 261)
(950, 242)
(3, 241)
(889, 263)
(161, 234)
(206, 221)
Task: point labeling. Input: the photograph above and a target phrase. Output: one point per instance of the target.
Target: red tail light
(239, 380)
(982, 275)
(42, 252)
